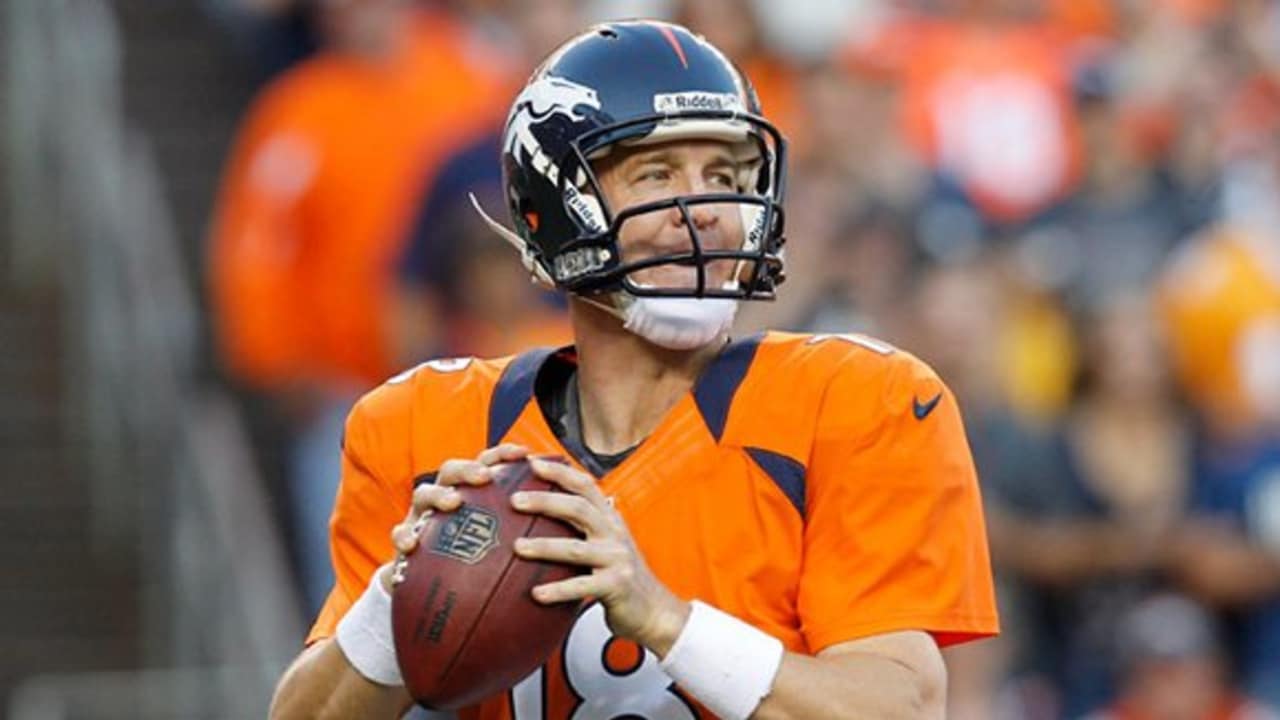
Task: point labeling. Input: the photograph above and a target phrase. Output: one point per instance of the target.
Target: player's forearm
(321, 684)
(851, 685)
(736, 671)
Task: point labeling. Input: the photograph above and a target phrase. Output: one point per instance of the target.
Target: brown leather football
(464, 622)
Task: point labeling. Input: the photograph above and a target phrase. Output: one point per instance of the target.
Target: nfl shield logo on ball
(468, 534)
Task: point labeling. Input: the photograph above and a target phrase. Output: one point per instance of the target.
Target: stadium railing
(172, 478)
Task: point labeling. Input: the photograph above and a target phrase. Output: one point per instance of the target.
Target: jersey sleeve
(372, 498)
(894, 533)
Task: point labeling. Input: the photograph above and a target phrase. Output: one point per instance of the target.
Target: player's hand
(637, 605)
(441, 496)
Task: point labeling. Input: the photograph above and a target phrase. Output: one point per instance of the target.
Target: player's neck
(627, 385)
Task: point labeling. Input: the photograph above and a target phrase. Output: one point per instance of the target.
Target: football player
(776, 526)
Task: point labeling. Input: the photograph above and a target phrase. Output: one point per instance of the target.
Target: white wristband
(364, 635)
(722, 661)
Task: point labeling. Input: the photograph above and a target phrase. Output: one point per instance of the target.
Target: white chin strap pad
(678, 323)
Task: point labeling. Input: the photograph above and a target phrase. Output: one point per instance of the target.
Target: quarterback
(777, 526)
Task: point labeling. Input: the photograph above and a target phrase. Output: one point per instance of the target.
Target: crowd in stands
(1070, 208)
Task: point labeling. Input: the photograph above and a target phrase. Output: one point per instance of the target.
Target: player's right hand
(442, 496)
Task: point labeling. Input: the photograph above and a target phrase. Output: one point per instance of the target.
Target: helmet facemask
(738, 257)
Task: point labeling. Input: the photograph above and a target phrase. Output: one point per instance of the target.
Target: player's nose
(690, 181)
(703, 215)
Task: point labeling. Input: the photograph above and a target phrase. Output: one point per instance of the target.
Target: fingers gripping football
(442, 496)
(637, 605)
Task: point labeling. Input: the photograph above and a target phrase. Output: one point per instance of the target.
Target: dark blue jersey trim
(513, 391)
(786, 473)
(715, 389)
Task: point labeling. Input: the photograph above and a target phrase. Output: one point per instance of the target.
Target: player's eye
(724, 180)
(653, 174)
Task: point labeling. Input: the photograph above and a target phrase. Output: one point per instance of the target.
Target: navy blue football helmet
(628, 84)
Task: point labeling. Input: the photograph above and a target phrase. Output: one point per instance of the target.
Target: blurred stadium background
(223, 220)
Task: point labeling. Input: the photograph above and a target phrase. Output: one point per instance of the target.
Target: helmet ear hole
(527, 215)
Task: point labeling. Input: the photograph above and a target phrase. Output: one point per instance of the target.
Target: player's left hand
(637, 605)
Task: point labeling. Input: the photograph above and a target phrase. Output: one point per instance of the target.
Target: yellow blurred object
(1040, 352)
(1220, 301)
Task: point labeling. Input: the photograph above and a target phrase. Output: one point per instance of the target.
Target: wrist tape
(364, 634)
(728, 665)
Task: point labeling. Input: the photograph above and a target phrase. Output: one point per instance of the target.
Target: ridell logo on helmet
(668, 103)
(756, 234)
(587, 209)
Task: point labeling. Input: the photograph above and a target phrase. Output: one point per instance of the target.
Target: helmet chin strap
(607, 307)
(675, 323)
(678, 323)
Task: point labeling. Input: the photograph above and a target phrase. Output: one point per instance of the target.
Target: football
(464, 622)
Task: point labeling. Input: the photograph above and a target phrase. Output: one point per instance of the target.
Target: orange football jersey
(817, 487)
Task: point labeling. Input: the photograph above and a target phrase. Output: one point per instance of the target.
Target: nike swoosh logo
(922, 410)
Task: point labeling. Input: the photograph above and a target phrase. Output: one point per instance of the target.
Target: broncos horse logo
(546, 114)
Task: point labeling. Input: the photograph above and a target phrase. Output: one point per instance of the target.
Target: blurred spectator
(1116, 229)
(1221, 293)
(310, 220)
(866, 270)
(497, 310)
(1173, 667)
(1127, 449)
(430, 283)
(1077, 529)
(851, 131)
(1228, 553)
(987, 104)
(449, 301)
(273, 34)
(1221, 299)
(481, 300)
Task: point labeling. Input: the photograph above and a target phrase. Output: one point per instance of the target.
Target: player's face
(635, 176)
